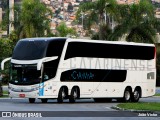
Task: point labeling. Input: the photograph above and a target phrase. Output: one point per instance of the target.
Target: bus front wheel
(44, 100)
(74, 95)
(32, 100)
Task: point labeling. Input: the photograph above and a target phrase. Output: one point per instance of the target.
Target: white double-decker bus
(65, 68)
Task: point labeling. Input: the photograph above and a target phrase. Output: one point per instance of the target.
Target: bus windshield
(24, 75)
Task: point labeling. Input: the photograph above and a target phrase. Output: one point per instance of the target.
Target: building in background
(127, 1)
(64, 11)
(158, 1)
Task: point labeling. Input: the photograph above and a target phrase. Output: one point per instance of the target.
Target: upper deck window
(116, 51)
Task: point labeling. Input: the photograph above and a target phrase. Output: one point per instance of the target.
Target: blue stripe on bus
(41, 89)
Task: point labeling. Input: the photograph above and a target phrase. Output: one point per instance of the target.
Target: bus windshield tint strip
(94, 75)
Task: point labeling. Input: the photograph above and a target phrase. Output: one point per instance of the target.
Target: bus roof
(43, 38)
(85, 40)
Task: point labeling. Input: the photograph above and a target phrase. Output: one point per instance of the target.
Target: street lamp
(111, 21)
(105, 13)
(16, 14)
(82, 13)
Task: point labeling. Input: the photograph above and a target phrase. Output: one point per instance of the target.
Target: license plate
(22, 95)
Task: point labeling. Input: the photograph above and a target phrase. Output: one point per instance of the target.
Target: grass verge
(158, 94)
(140, 106)
(5, 94)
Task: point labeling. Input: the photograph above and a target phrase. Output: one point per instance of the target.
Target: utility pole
(11, 15)
(112, 24)
(63, 11)
(0, 21)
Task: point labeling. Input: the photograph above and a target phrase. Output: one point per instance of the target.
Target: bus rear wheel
(44, 100)
(136, 95)
(127, 95)
(61, 95)
(74, 95)
(32, 100)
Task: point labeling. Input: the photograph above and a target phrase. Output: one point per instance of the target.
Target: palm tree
(33, 19)
(96, 12)
(137, 23)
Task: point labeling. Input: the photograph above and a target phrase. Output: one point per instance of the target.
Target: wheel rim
(63, 94)
(75, 94)
(127, 95)
(136, 95)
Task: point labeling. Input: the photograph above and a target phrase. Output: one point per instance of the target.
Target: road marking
(108, 107)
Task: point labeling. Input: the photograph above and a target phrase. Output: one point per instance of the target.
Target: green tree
(96, 12)
(5, 48)
(137, 23)
(63, 30)
(5, 51)
(32, 19)
(5, 20)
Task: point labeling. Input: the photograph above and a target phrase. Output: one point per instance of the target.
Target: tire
(44, 100)
(74, 95)
(61, 95)
(120, 100)
(108, 99)
(32, 100)
(136, 95)
(97, 100)
(127, 95)
(101, 100)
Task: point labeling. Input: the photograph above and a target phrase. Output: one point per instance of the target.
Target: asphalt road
(84, 109)
(158, 90)
(68, 111)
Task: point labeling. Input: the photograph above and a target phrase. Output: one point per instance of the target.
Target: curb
(10, 98)
(156, 96)
(133, 110)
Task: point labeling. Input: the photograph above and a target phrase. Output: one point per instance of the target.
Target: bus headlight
(35, 88)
